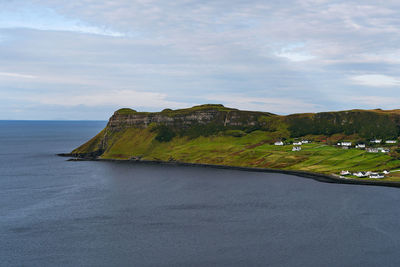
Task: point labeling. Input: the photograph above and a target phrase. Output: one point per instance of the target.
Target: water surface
(54, 212)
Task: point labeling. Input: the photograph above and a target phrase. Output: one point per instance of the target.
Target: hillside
(214, 134)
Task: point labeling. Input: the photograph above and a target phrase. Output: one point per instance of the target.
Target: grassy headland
(214, 134)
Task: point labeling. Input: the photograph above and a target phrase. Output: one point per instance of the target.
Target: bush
(197, 130)
(164, 133)
(235, 133)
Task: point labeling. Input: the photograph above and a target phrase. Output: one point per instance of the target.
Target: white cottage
(278, 143)
(360, 174)
(376, 175)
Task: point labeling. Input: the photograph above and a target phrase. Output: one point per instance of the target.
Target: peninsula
(353, 145)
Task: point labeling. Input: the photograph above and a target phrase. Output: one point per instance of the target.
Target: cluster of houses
(378, 141)
(347, 145)
(296, 144)
(373, 175)
(299, 143)
(377, 150)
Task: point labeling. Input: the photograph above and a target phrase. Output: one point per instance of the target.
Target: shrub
(164, 133)
(235, 133)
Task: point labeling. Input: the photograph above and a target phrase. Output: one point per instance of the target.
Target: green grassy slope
(252, 150)
(252, 146)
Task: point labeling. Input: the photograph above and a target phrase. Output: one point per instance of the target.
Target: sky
(82, 60)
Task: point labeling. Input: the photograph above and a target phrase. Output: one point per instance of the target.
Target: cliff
(198, 115)
(215, 134)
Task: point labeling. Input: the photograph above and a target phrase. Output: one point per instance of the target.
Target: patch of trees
(164, 133)
(366, 124)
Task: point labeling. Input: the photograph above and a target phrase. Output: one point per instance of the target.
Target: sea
(55, 212)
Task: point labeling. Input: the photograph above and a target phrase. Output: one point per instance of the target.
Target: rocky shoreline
(326, 178)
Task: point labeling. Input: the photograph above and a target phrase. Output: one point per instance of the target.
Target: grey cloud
(187, 51)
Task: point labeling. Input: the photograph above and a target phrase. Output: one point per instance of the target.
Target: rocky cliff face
(198, 115)
(204, 119)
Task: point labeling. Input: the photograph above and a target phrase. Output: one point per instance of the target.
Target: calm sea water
(59, 213)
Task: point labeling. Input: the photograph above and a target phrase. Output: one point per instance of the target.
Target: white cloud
(16, 75)
(375, 80)
(25, 15)
(296, 57)
(376, 101)
(120, 98)
(284, 105)
(295, 52)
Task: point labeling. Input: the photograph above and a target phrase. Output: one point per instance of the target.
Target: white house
(376, 141)
(305, 141)
(376, 175)
(360, 174)
(296, 148)
(344, 173)
(278, 143)
(297, 143)
(372, 150)
(383, 150)
(386, 172)
(360, 146)
(344, 144)
(391, 141)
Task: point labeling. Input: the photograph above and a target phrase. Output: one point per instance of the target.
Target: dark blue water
(59, 213)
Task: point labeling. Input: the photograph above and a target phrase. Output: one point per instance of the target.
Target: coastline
(320, 177)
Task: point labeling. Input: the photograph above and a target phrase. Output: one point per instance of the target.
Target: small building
(347, 144)
(391, 142)
(372, 150)
(386, 172)
(360, 146)
(297, 143)
(345, 173)
(305, 141)
(278, 143)
(360, 174)
(376, 175)
(376, 141)
(296, 148)
(383, 150)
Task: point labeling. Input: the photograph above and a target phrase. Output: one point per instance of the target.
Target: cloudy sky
(66, 59)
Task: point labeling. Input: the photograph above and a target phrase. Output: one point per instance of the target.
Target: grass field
(251, 150)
